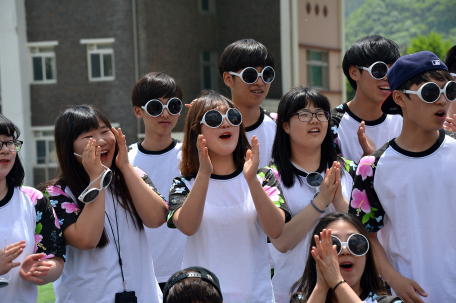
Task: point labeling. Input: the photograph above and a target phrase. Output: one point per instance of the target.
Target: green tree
(432, 42)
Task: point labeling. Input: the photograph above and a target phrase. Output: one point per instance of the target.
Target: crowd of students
(356, 202)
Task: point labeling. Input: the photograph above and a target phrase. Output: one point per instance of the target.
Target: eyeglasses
(357, 244)
(378, 70)
(250, 75)
(213, 118)
(155, 107)
(3, 281)
(12, 145)
(89, 195)
(307, 116)
(314, 180)
(430, 92)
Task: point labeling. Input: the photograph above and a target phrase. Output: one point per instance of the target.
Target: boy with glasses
(450, 62)
(157, 99)
(365, 65)
(406, 188)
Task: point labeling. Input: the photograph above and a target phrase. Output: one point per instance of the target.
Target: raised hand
(450, 123)
(252, 160)
(91, 159)
(327, 189)
(8, 254)
(366, 143)
(205, 164)
(339, 201)
(32, 268)
(191, 103)
(122, 155)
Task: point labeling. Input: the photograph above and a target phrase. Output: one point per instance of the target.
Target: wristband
(319, 210)
(334, 289)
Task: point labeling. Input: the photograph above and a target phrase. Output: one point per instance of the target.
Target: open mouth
(4, 161)
(314, 131)
(257, 92)
(346, 265)
(104, 155)
(441, 115)
(225, 136)
(385, 89)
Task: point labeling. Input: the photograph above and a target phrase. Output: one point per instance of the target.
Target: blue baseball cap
(405, 68)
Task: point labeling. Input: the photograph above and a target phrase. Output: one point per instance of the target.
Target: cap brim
(390, 107)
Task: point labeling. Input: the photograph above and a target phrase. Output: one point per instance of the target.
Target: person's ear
(228, 79)
(399, 99)
(138, 112)
(286, 127)
(354, 73)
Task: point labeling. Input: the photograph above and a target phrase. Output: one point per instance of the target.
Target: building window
(42, 57)
(100, 58)
(317, 69)
(206, 6)
(45, 152)
(209, 70)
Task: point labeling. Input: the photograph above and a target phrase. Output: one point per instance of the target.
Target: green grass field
(46, 294)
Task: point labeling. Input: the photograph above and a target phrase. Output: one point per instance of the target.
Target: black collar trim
(359, 120)
(301, 173)
(8, 196)
(227, 177)
(160, 152)
(363, 296)
(425, 153)
(256, 124)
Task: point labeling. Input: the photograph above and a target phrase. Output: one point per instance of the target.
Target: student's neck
(222, 165)
(155, 142)
(3, 188)
(250, 115)
(364, 108)
(307, 159)
(414, 138)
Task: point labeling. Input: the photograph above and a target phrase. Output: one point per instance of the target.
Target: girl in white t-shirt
(107, 252)
(306, 163)
(224, 204)
(28, 224)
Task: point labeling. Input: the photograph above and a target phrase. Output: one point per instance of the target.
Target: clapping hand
(8, 254)
(33, 267)
(252, 160)
(366, 143)
(205, 164)
(122, 155)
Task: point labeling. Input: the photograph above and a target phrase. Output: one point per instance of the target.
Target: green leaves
(366, 217)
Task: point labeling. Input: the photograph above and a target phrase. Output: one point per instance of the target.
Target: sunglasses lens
(90, 196)
(268, 74)
(234, 116)
(154, 108)
(174, 106)
(379, 70)
(358, 244)
(314, 179)
(3, 284)
(430, 92)
(107, 179)
(451, 91)
(213, 118)
(336, 242)
(250, 75)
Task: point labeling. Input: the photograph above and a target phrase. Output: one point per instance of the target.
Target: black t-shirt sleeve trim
(8, 197)
(425, 153)
(160, 152)
(256, 124)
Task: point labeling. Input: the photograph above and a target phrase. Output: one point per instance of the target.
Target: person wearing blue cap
(406, 188)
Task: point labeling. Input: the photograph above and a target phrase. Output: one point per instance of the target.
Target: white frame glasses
(442, 90)
(453, 74)
(203, 120)
(3, 281)
(342, 244)
(163, 106)
(258, 74)
(318, 178)
(370, 69)
(87, 190)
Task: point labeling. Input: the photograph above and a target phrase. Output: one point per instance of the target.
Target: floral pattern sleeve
(66, 209)
(269, 179)
(177, 195)
(148, 181)
(364, 201)
(48, 235)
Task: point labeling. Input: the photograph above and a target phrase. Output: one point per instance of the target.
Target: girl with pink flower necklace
(36, 250)
(314, 180)
(223, 202)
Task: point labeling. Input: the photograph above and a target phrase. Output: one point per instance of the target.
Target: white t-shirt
(410, 196)
(264, 129)
(26, 214)
(166, 245)
(94, 275)
(345, 124)
(290, 266)
(230, 241)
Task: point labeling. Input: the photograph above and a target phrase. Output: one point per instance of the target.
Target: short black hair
(368, 50)
(153, 86)
(244, 53)
(450, 59)
(427, 76)
(17, 173)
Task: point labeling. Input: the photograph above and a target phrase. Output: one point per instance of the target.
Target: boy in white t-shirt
(157, 99)
(406, 188)
(247, 68)
(365, 65)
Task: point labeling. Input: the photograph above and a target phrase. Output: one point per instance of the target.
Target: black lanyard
(118, 240)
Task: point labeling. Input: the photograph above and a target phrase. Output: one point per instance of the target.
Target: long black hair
(16, 175)
(293, 101)
(68, 126)
(370, 280)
